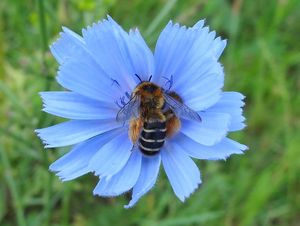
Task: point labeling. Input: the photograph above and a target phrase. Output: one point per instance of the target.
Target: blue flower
(101, 69)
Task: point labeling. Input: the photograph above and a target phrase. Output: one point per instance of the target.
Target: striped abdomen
(152, 137)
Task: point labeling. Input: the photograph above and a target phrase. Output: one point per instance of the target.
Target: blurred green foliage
(262, 60)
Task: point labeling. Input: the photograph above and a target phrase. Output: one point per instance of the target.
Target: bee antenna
(150, 78)
(138, 77)
(169, 81)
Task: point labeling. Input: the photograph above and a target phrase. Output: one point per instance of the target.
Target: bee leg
(135, 127)
(173, 125)
(134, 147)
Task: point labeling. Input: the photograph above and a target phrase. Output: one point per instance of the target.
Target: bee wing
(129, 110)
(180, 109)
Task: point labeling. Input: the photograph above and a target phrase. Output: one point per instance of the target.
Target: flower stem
(44, 36)
(17, 201)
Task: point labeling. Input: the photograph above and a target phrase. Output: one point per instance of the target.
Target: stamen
(122, 100)
(127, 95)
(114, 81)
(169, 81)
(119, 105)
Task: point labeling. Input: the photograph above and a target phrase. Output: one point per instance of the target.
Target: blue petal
(219, 46)
(171, 42)
(123, 180)
(75, 163)
(80, 71)
(112, 157)
(75, 106)
(141, 58)
(199, 24)
(231, 103)
(83, 75)
(74, 131)
(211, 130)
(199, 93)
(182, 172)
(188, 57)
(221, 150)
(68, 45)
(120, 55)
(147, 178)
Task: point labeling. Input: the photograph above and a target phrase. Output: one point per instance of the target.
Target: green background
(261, 61)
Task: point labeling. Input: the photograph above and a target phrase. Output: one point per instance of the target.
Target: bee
(153, 115)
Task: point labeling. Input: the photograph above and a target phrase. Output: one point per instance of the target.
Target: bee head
(149, 88)
(151, 94)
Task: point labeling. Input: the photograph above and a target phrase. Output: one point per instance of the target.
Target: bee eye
(149, 88)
